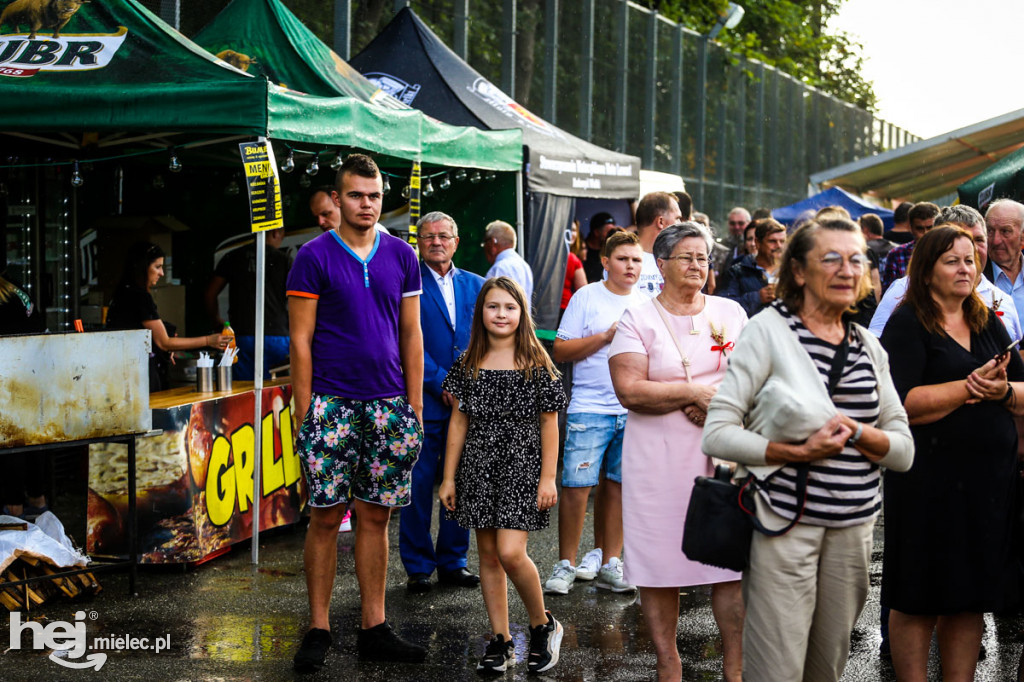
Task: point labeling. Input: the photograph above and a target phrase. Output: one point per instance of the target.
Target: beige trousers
(803, 591)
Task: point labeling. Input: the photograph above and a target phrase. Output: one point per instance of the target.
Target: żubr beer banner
(264, 188)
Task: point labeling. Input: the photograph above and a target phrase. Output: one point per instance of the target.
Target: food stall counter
(195, 479)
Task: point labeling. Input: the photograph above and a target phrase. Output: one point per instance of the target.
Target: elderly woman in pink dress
(667, 358)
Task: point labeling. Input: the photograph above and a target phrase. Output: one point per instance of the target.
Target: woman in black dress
(950, 545)
(132, 307)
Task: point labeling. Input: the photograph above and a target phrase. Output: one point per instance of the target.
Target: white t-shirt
(592, 310)
(650, 283)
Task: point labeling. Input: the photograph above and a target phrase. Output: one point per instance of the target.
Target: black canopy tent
(410, 61)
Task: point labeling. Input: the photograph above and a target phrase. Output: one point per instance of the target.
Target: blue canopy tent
(832, 197)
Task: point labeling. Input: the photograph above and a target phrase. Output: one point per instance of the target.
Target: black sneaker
(545, 641)
(498, 657)
(380, 643)
(313, 651)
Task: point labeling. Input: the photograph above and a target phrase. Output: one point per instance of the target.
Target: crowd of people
(826, 360)
(770, 366)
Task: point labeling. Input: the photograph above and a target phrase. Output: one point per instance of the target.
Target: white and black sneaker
(545, 642)
(591, 565)
(499, 656)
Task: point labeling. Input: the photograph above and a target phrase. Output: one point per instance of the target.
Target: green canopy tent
(117, 76)
(118, 68)
(1002, 180)
(264, 37)
(267, 39)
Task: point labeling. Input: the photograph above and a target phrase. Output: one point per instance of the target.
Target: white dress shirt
(508, 263)
(446, 283)
(993, 297)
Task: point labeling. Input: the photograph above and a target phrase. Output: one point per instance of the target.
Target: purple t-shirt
(355, 343)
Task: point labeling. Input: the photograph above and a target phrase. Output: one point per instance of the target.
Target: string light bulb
(428, 189)
(337, 161)
(407, 192)
(385, 184)
(314, 165)
(475, 177)
(445, 182)
(173, 164)
(460, 175)
(288, 165)
(76, 177)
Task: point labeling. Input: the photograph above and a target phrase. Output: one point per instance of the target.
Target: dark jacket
(744, 285)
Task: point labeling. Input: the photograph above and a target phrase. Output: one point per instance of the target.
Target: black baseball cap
(599, 220)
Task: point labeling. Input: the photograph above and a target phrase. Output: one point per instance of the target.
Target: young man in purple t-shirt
(357, 377)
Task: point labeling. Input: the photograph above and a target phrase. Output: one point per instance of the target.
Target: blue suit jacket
(442, 345)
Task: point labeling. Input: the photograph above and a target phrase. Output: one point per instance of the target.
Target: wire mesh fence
(739, 132)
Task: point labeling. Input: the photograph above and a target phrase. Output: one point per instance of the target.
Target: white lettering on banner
(586, 183)
(20, 56)
(579, 166)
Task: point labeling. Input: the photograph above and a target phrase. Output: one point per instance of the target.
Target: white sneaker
(346, 523)
(610, 577)
(591, 564)
(562, 577)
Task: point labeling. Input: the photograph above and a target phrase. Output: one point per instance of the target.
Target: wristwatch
(852, 440)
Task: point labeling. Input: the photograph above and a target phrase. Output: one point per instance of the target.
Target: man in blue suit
(446, 314)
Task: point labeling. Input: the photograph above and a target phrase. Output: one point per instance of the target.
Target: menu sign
(264, 189)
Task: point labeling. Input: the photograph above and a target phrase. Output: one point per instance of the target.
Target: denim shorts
(592, 440)
(359, 448)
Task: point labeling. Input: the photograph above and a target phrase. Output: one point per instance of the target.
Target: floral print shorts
(359, 448)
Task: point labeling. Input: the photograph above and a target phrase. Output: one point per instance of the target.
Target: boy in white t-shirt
(596, 421)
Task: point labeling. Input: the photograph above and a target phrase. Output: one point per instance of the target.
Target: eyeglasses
(834, 261)
(436, 238)
(738, 222)
(687, 260)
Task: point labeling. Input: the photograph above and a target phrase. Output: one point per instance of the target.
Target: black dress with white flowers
(498, 474)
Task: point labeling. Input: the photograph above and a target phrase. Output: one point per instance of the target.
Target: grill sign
(22, 56)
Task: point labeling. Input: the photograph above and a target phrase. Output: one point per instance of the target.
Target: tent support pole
(257, 419)
(520, 247)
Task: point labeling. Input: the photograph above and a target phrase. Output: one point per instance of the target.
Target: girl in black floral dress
(502, 452)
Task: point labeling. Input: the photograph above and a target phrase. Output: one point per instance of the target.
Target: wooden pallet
(27, 597)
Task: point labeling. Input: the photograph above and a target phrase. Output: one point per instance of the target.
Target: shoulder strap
(675, 339)
(835, 372)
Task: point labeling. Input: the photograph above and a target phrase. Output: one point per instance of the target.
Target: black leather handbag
(718, 530)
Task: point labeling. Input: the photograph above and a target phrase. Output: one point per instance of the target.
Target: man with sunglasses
(446, 315)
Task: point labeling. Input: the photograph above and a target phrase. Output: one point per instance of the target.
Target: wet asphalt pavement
(229, 620)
